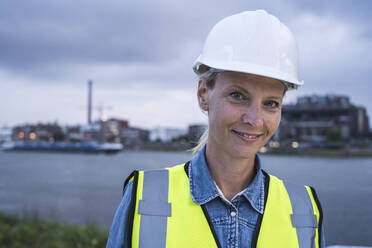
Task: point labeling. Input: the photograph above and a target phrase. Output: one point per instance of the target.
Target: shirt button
(233, 214)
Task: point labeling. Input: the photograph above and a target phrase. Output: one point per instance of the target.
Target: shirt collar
(203, 188)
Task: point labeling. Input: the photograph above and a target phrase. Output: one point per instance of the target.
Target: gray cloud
(39, 31)
(90, 31)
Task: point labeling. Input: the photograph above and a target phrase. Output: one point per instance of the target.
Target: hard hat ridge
(252, 42)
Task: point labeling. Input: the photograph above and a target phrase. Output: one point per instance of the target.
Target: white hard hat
(253, 42)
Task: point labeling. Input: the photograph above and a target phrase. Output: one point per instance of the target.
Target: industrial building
(323, 118)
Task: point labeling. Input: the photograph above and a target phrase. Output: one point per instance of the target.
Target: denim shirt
(234, 221)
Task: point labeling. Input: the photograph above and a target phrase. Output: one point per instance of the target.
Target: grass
(33, 232)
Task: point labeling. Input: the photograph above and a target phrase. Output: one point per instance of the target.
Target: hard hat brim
(260, 70)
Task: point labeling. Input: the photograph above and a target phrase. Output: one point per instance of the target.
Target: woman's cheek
(274, 122)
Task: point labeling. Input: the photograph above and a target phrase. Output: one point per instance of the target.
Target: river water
(83, 188)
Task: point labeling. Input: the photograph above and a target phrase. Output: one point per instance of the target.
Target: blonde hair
(209, 75)
(202, 141)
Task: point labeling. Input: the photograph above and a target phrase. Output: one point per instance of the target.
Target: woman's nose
(252, 115)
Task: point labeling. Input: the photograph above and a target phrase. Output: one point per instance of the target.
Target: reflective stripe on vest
(154, 208)
(166, 216)
(303, 217)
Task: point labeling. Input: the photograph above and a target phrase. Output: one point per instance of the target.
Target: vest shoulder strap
(320, 221)
(260, 216)
(128, 179)
(129, 228)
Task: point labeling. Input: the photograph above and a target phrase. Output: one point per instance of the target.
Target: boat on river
(83, 147)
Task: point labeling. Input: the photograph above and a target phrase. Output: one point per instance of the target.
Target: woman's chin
(244, 152)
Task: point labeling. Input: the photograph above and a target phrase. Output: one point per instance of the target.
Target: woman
(222, 197)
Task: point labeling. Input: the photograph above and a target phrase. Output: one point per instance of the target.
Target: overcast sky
(139, 55)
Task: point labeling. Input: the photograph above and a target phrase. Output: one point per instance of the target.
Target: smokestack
(90, 82)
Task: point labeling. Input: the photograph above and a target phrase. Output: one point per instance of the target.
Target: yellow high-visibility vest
(163, 214)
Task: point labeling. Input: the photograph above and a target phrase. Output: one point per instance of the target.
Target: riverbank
(313, 152)
(32, 231)
(323, 153)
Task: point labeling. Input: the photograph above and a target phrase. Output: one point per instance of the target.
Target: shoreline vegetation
(32, 231)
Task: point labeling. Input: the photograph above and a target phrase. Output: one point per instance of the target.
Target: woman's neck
(231, 174)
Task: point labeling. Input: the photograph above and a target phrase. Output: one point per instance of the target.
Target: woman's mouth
(247, 136)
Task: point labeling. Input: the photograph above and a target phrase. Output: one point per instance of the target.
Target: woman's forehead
(229, 78)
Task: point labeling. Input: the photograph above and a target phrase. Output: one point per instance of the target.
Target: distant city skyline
(139, 56)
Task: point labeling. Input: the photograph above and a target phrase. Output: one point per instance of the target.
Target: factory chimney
(90, 82)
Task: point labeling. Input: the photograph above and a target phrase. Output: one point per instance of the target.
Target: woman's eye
(272, 104)
(237, 96)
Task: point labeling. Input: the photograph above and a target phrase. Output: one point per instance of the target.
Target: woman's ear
(203, 95)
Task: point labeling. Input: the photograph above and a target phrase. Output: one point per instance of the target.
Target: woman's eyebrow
(237, 87)
(275, 97)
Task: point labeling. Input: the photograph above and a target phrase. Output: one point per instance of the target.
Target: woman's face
(244, 111)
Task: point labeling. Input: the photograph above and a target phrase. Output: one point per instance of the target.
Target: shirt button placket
(233, 229)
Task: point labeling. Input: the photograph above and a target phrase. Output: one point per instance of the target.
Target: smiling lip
(247, 136)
